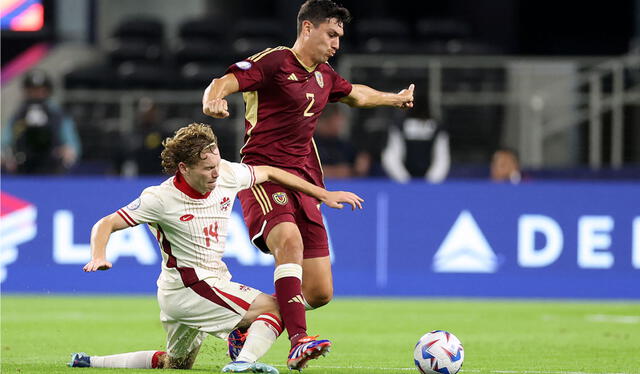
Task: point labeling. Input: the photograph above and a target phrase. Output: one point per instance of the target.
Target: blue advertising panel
(558, 240)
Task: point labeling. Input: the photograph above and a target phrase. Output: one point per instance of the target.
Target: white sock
(132, 360)
(262, 333)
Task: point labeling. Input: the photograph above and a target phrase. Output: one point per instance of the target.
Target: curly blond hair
(187, 145)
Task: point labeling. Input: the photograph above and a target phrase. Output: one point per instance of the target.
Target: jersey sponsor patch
(186, 217)
(244, 65)
(319, 79)
(280, 198)
(135, 204)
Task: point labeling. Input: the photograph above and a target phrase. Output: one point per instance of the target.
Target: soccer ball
(438, 351)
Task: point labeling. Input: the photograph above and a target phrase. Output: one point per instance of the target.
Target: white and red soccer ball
(438, 352)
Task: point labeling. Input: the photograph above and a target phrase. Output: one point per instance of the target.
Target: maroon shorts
(268, 204)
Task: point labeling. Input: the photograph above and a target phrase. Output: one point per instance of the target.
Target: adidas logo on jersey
(292, 77)
(465, 249)
(296, 299)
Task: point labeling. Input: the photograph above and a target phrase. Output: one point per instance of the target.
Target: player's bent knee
(318, 299)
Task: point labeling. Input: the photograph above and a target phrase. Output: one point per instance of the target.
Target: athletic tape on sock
(287, 270)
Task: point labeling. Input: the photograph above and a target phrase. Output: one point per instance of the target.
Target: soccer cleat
(235, 342)
(249, 367)
(308, 348)
(80, 360)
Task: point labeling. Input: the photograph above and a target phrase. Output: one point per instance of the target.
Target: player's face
(203, 175)
(325, 40)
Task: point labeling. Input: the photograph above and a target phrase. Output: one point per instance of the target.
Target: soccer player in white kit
(188, 214)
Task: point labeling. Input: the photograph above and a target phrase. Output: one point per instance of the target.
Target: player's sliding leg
(262, 333)
(131, 360)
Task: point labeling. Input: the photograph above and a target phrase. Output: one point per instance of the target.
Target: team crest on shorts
(280, 198)
(319, 79)
(225, 203)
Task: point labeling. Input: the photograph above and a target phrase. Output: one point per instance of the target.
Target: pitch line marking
(612, 318)
(461, 370)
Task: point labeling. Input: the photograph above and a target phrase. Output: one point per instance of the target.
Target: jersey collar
(307, 68)
(183, 186)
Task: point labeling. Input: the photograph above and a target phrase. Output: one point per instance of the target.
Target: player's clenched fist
(407, 97)
(216, 108)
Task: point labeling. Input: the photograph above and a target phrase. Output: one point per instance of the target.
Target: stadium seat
(147, 75)
(97, 76)
(200, 50)
(140, 27)
(121, 50)
(441, 29)
(250, 36)
(382, 35)
(207, 27)
(202, 40)
(198, 75)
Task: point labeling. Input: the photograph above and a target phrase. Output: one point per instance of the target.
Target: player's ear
(182, 167)
(306, 28)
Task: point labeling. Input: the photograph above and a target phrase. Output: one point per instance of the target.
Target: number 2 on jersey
(312, 97)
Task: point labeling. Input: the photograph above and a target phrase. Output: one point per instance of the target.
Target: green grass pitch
(369, 335)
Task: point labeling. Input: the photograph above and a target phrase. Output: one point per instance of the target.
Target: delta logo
(17, 226)
(465, 249)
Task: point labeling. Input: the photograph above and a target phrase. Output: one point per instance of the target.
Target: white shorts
(189, 314)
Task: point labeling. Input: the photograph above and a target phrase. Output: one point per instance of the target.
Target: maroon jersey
(284, 99)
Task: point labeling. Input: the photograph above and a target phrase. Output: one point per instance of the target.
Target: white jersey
(191, 228)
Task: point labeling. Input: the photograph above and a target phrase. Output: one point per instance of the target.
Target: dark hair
(186, 146)
(319, 11)
(37, 78)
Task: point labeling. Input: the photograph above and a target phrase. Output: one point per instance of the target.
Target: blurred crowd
(43, 139)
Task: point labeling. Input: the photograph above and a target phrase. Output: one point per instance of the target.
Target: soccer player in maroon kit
(285, 90)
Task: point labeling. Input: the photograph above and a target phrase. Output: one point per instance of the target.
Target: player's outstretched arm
(213, 100)
(333, 199)
(100, 234)
(362, 96)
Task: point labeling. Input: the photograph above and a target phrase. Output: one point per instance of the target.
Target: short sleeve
(252, 72)
(341, 87)
(145, 209)
(243, 175)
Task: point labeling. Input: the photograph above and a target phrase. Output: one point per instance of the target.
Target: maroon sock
(290, 302)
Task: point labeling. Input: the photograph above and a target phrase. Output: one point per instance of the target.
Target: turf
(369, 335)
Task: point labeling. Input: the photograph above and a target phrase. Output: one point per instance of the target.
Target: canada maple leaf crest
(225, 203)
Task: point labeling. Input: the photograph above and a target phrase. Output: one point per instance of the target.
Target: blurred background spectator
(40, 138)
(417, 146)
(146, 142)
(505, 166)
